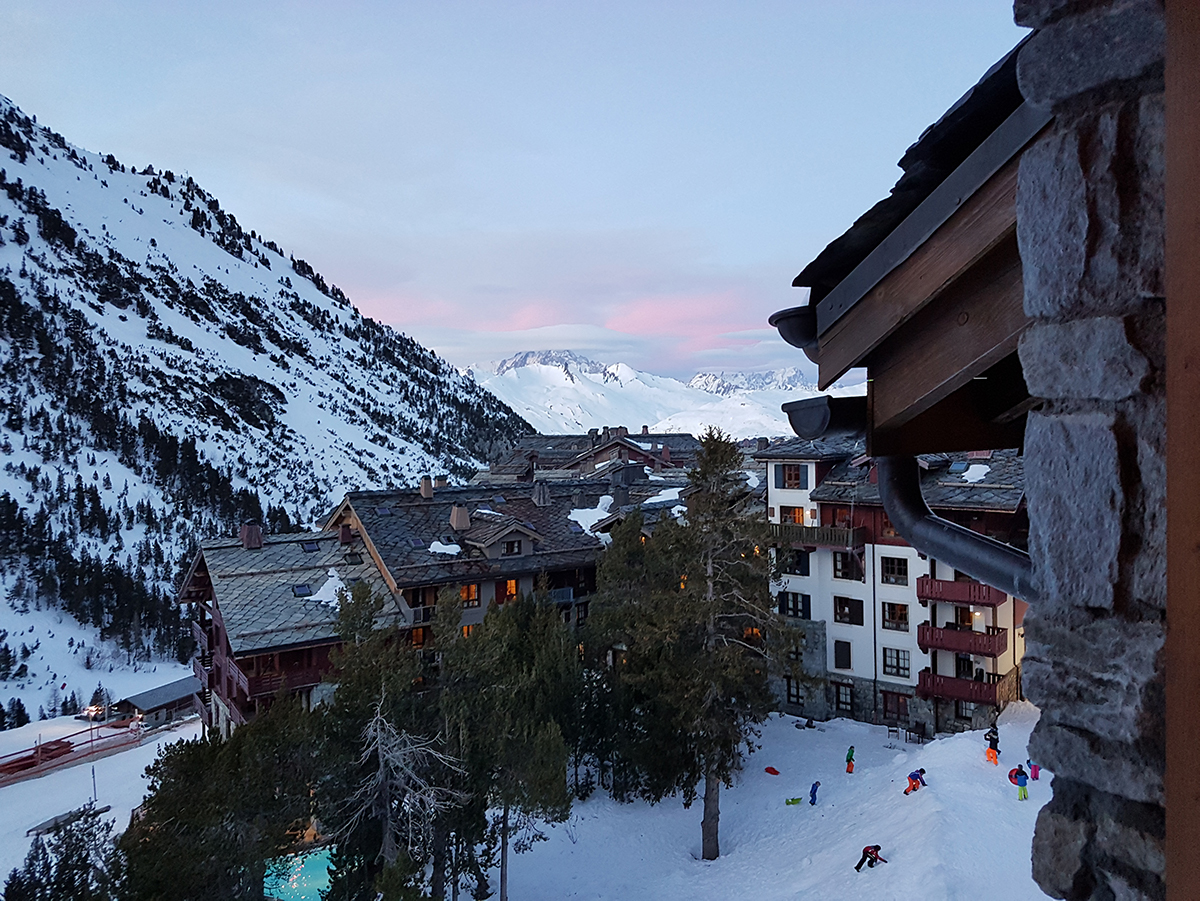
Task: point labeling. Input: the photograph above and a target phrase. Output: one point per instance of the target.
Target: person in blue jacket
(1022, 783)
(812, 794)
(915, 780)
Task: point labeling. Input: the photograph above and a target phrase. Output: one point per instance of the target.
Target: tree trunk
(711, 845)
(504, 855)
(438, 878)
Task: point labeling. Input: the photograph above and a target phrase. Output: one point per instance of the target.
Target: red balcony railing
(991, 643)
(948, 592)
(996, 691)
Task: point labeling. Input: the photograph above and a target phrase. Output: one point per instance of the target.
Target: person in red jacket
(869, 856)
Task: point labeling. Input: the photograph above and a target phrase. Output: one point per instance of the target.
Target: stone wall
(1090, 229)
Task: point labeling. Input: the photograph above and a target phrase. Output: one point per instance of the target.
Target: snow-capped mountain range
(167, 373)
(560, 391)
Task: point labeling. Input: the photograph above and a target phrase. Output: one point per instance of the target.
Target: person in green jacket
(850, 760)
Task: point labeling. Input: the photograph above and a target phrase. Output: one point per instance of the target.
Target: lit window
(792, 514)
(795, 475)
(895, 617)
(468, 629)
(469, 595)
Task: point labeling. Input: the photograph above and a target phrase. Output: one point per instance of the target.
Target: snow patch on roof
(438, 548)
(976, 472)
(589, 516)
(328, 593)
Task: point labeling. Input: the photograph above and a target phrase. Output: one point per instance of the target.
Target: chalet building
(266, 605)
(165, 703)
(892, 635)
(591, 455)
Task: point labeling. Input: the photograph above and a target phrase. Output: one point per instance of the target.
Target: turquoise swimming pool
(305, 876)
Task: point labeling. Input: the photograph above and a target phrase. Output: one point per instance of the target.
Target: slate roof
(561, 451)
(812, 449)
(164, 694)
(1002, 487)
(255, 589)
(401, 525)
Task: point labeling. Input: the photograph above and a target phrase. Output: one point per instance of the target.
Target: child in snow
(915, 780)
(850, 760)
(993, 751)
(1034, 770)
(869, 856)
(1022, 782)
(812, 794)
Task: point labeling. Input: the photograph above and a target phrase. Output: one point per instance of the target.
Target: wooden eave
(938, 308)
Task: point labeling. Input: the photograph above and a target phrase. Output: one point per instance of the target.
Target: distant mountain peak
(565, 360)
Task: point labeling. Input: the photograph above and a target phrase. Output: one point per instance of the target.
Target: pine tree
(690, 621)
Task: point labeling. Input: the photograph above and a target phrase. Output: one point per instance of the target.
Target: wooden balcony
(818, 536)
(991, 643)
(422, 616)
(200, 633)
(944, 591)
(297, 677)
(996, 691)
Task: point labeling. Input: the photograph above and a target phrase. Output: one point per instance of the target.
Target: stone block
(1090, 213)
(1058, 844)
(1095, 678)
(1148, 574)
(1134, 847)
(1080, 53)
(1076, 504)
(1111, 767)
(1039, 13)
(1085, 358)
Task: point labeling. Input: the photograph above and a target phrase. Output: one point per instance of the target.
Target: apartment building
(892, 636)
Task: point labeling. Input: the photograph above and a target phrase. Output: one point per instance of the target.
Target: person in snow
(1034, 770)
(1022, 782)
(915, 780)
(850, 760)
(812, 793)
(993, 751)
(869, 856)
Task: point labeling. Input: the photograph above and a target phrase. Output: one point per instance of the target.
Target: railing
(562, 595)
(269, 683)
(423, 615)
(199, 670)
(201, 635)
(991, 643)
(948, 592)
(239, 678)
(997, 691)
(819, 536)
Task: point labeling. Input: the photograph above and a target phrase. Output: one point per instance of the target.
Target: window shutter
(856, 612)
(803, 475)
(841, 655)
(778, 475)
(805, 607)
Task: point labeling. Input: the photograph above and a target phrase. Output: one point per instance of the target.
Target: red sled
(772, 771)
(1012, 775)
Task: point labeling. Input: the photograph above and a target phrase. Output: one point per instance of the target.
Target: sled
(772, 771)
(794, 801)
(1012, 775)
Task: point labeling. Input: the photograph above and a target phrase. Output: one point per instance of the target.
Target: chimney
(345, 535)
(426, 487)
(460, 519)
(666, 454)
(645, 430)
(577, 499)
(593, 435)
(620, 495)
(622, 431)
(607, 434)
(762, 444)
(251, 535)
(541, 494)
(441, 481)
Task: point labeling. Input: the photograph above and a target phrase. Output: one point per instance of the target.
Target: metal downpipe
(984, 559)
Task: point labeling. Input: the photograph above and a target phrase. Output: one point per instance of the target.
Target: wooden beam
(985, 219)
(974, 325)
(1182, 783)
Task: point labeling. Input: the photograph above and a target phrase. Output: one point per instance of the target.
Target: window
(964, 666)
(895, 617)
(887, 529)
(469, 595)
(895, 662)
(309, 546)
(848, 610)
(792, 514)
(895, 570)
(795, 562)
(383, 511)
(302, 590)
(895, 706)
(512, 548)
(794, 604)
(506, 590)
(354, 559)
(843, 698)
(793, 690)
(846, 566)
(963, 618)
(581, 612)
(964, 710)
(467, 630)
(418, 637)
(793, 475)
(841, 655)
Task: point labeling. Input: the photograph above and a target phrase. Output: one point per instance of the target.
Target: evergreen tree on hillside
(689, 618)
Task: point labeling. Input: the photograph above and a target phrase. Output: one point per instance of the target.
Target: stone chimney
(441, 481)
(460, 519)
(621, 431)
(607, 434)
(666, 453)
(541, 494)
(593, 436)
(345, 533)
(645, 430)
(426, 487)
(620, 496)
(251, 535)
(577, 499)
(762, 444)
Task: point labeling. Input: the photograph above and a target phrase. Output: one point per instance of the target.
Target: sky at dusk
(638, 182)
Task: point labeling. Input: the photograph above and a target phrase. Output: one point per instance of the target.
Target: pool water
(306, 875)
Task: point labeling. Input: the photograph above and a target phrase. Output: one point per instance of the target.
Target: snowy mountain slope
(167, 374)
(562, 392)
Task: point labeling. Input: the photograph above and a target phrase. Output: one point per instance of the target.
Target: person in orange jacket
(993, 751)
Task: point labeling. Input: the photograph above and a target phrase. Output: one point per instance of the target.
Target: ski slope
(965, 837)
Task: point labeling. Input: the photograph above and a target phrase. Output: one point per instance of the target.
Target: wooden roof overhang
(934, 312)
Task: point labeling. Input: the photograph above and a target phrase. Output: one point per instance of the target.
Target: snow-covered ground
(120, 782)
(966, 836)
